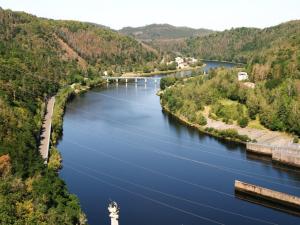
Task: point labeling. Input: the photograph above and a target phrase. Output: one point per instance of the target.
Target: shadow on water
(192, 131)
(180, 127)
(114, 117)
(295, 211)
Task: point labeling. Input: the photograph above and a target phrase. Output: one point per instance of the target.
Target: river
(119, 145)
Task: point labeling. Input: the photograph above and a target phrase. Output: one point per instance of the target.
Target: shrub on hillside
(243, 122)
(201, 120)
(166, 82)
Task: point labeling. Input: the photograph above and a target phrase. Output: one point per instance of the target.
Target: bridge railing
(126, 79)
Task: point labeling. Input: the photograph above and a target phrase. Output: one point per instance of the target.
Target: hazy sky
(213, 14)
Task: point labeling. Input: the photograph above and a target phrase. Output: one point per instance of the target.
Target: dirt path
(263, 136)
(46, 130)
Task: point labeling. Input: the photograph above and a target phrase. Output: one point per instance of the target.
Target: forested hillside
(103, 47)
(271, 53)
(231, 101)
(163, 31)
(164, 37)
(37, 58)
(272, 60)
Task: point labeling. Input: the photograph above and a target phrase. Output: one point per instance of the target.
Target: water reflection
(122, 126)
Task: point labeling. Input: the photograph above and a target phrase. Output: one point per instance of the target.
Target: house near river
(242, 76)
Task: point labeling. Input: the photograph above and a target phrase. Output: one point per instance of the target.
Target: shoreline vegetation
(216, 116)
(227, 134)
(40, 56)
(133, 74)
(63, 96)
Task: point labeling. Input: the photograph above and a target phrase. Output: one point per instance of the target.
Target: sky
(211, 14)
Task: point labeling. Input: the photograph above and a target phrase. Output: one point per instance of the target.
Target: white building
(192, 60)
(182, 65)
(242, 76)
(179, 60)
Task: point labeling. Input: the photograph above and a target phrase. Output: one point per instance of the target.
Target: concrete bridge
(128, 79)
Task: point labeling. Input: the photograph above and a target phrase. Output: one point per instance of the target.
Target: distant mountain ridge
(165, 37)
(163, 31)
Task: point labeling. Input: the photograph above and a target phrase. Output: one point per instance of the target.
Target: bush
(213, 116)
(296, 139)
(146, 69)
(225, 120)
(55, 159)
(243, 122)
(192, 117)
(166, 82)
(201, 120)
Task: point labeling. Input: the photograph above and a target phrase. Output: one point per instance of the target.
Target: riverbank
(227, 134)
(162, 72)
(223, 61)
(259, 136)
(126, 122)
(288, 155)
(62, 97)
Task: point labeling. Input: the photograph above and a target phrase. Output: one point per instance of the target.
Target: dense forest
(163, 31)
(272, 60)
(38, 57)
(233, 102)
(164, 37)
(272, 53)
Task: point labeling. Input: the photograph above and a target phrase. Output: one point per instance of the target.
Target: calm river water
(119, 145)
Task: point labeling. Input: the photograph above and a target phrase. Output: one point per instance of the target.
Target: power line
(151, 170)
(230, 170)
(127, 101)
(186, 147)
(227, 169)
(177, 197)
(148, 198)
(212, 153)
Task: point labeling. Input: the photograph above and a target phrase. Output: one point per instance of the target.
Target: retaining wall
(286, 156)
(267, 194)
(289, 156)
(259, 148)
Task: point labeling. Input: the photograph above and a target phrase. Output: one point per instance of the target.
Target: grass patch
(255, 124)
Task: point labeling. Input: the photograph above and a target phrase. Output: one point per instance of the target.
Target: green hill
(272, 59)
(162, 31)
(37, 58)
(164, 37)
(274, 51)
